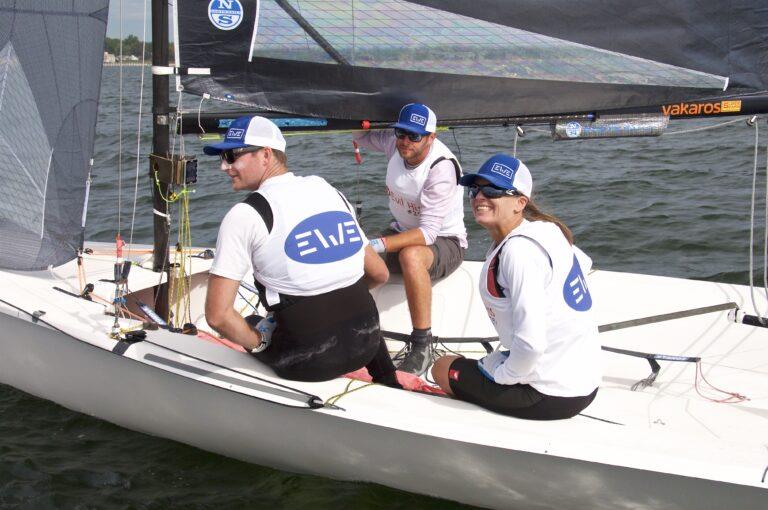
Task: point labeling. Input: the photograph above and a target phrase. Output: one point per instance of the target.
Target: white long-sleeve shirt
(543, 317)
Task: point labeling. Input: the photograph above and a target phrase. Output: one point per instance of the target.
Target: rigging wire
(138, 130)
(514, 141)
(752, 226)
(120, 130)
(765, 235)
(456, 141)
(704, 128)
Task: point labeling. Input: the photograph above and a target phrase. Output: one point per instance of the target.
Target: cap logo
(503, 170)
(418, 119)
(236, 133)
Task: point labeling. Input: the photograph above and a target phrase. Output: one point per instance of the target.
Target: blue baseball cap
(249, 131)
(504, 172)
(416, 118)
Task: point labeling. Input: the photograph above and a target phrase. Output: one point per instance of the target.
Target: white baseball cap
(249, 132)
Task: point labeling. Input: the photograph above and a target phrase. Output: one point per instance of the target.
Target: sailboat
(92, 327)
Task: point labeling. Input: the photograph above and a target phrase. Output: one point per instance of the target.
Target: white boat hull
(418, 443)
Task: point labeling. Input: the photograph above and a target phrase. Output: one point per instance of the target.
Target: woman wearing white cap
(533, 287)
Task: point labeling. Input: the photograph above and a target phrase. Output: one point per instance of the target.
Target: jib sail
(51, 54)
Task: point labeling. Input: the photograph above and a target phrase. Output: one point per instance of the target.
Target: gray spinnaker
(468, 60)
(51, 55)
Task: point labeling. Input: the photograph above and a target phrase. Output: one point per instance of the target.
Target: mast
(160, 144)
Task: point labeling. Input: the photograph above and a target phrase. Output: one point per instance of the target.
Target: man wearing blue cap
(310, 262)
(427, 238)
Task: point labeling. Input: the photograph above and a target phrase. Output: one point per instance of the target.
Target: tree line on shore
(131, 47)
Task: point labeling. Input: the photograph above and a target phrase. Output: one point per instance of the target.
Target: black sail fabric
(468, 60)
(726, 37)
(51, 55)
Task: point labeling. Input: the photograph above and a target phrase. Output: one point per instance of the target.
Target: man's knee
(415, 257)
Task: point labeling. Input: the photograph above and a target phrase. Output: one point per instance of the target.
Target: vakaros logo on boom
(225, 14)
(323, 238)
(702, 108)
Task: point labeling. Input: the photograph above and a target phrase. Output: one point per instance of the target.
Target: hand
(491, 362)
(378, 245)
(266, 327)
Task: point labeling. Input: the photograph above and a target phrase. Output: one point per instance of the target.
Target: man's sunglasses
(402, 133)
(229, 156)
(490, 191)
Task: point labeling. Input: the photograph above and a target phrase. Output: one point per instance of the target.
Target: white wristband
(378, 245)
(265, 327)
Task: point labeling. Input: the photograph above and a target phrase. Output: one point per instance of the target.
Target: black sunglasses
(490, 191)
(229, 156)
(402, 133)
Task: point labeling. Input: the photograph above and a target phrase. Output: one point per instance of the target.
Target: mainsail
(363, 59)
(51, 54)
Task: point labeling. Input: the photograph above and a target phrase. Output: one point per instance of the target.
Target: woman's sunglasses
(230, 156)
(490, 191)
(402, 133)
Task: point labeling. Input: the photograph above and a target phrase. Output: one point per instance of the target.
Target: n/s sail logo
(225, 14)
(326, 237)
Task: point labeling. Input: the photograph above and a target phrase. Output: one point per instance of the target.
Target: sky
(133, 15)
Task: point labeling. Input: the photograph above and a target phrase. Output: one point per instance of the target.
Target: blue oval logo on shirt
(323, 238)
(575, 291)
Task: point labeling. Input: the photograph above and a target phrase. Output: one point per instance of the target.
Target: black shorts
(519, 400)
(319, 338)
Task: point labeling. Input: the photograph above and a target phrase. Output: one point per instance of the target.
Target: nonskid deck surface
(668, 427)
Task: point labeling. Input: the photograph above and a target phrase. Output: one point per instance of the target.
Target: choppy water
(676, 205)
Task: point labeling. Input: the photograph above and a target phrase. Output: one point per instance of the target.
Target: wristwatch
(259, 348)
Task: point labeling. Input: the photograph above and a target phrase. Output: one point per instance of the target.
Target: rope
(731, 398)
(334, 399)
(138, 133)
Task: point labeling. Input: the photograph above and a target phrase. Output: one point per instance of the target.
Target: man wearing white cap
(427, 240)
(310, 261)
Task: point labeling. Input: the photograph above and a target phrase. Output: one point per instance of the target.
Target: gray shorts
(447, 251)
